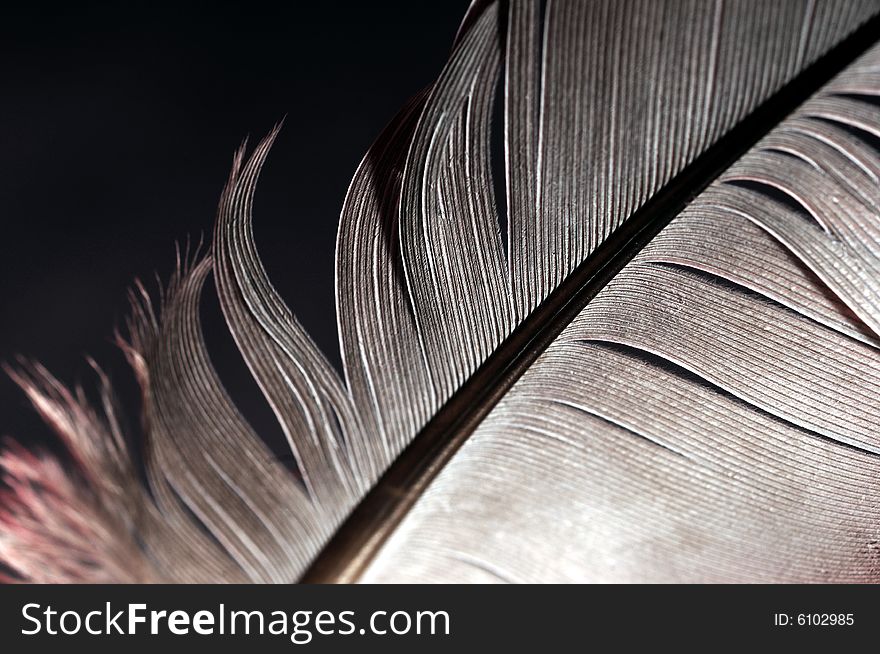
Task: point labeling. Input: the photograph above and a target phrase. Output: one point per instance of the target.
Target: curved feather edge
(219, 507)
(451, 312)
(711, 415)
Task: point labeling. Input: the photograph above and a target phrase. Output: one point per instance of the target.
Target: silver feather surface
(708, 416)
(712, 414)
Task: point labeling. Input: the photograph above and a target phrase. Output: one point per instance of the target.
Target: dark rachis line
(365, 530)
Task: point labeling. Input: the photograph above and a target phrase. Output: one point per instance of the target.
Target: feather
(708, 415)
(203, 459)
(687, 425)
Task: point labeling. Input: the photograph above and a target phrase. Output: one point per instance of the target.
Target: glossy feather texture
(709, 416)
(712, 414)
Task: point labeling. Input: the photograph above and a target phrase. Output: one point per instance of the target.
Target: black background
(118, 122)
